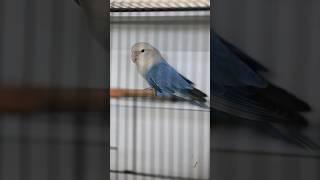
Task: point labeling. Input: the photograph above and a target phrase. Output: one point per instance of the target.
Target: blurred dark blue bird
(242, 96)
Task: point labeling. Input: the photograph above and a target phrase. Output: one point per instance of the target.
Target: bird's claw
(152, 89)
(149, 88)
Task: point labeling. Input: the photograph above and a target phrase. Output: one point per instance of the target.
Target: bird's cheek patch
(134, 57)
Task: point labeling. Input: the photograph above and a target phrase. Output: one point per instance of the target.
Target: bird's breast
(144, 66)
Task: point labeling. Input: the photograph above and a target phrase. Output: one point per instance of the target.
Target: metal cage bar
(158, 5)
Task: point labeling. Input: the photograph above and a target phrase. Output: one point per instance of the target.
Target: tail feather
(197, 94)
(194, 96)
(285, 100)
(288, 134)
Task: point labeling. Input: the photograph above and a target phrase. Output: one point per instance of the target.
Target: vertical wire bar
(80, 118)
(107, 79)
(79, 149)
(126, 110)
(194, 118)
(203, 116)
(154, 36)
(162, 132)
(57, 26)
(135, 114)
(117, 106)
(211, 145)
(2, 18)
(142, 111)
(28, 68)
(153, 32)
(173, 44)
(178, 115)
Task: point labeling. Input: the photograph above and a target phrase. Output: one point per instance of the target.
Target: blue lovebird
(163, 77)
(242, 96)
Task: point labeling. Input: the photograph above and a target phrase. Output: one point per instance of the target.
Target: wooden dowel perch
(116, 93)
(35, 99)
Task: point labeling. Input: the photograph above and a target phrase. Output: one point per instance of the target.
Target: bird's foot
(151, 89)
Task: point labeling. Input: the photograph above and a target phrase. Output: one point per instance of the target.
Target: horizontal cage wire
(158, 5)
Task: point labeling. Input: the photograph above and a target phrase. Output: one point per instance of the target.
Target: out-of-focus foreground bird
(242, 96)
(97, 18)
(163, 77)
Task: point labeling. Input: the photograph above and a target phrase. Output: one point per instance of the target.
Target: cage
(54, 89)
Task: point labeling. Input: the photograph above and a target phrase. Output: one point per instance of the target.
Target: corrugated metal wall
(164, 139)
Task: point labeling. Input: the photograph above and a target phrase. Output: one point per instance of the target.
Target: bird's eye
(142, 50)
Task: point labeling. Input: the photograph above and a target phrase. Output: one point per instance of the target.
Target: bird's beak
(134, 57)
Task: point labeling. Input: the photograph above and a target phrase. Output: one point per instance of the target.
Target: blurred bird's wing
(239, 89)
(230, 70)
(241, 95)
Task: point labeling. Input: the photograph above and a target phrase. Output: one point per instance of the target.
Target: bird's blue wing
(166, 80)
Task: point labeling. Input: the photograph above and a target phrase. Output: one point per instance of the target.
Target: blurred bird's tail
(290, 135)
(293, 136)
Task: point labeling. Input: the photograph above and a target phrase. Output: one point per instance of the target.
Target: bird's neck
(144, 66)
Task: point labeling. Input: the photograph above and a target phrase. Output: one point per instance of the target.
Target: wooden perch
(116, 93)
(35, 99)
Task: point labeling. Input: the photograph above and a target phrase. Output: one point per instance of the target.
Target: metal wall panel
(169, 139)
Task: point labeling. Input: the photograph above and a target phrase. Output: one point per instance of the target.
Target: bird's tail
(197, 97)
(200, 104)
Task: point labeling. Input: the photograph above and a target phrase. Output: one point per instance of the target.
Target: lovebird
(242, 96)
(162, 77)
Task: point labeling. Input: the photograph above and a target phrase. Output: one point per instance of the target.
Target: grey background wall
(46, 43)
(284, 36)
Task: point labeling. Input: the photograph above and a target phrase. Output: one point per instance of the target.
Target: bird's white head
(144, 56)
(143, 51)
